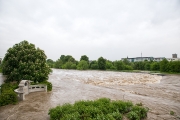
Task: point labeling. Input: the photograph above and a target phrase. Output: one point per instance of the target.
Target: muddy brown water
(160, 94)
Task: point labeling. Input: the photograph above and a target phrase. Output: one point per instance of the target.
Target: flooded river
(160, 94)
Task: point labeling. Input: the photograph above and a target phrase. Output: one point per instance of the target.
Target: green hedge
(7, 94)
(101, 109)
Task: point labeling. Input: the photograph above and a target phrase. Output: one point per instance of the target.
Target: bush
(49, 85)
(133, 116)
(7, 94)
(101, 109)
(8, 97)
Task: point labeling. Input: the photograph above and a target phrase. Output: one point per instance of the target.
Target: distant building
(138, 59)
(174, 55)
(174, 58)
(158, 59)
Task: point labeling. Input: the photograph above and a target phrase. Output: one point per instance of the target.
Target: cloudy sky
(110, 28)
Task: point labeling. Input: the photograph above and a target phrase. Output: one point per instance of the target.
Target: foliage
(133, 116)
(102, 63)
(7, 94)
(85, 58)
(100, 109)
(163, 65)
(174, 66)
(147, 65)
(128, 67)
(66, 62)
(155, 66)
(94, 65)
(24, 61)
(69, 65)
(126, 62)
(83, 65)
(50, 63)
(139, 65)
(109, 64)
(49, 85)
(119, 65)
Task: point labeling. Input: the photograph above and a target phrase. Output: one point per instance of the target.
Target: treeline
(68, 62)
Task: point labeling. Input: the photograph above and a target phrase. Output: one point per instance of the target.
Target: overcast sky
(113, 29)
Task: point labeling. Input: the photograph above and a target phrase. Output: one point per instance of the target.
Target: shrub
(49, 85)
(101, 109)
(7, 94)
(133, 116)
(142, 112)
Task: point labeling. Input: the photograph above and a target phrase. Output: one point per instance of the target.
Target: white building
(174, 58)
(138, 59)
(158, 59)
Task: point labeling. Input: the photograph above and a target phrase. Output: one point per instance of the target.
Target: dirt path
(70, 86)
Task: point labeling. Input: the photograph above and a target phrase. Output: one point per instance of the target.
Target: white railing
(37, 88)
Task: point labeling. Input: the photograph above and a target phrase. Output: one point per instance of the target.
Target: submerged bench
(25, 88)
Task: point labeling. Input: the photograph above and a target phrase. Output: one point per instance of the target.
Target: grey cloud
(112, 29)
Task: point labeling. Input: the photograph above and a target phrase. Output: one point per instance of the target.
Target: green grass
(101, 109)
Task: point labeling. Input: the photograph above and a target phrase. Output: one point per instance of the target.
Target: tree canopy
(25, 61)
(85, 58)
(102, 63)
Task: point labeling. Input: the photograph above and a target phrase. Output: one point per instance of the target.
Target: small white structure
(25, 88)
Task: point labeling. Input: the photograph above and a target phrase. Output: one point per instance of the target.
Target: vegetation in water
(172, 113)
(101, 109)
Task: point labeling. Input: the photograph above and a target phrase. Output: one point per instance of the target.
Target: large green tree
(25, 61)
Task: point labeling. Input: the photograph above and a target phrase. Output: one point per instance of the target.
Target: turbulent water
(160, 94)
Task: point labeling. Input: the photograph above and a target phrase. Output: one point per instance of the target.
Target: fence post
(46, 88)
